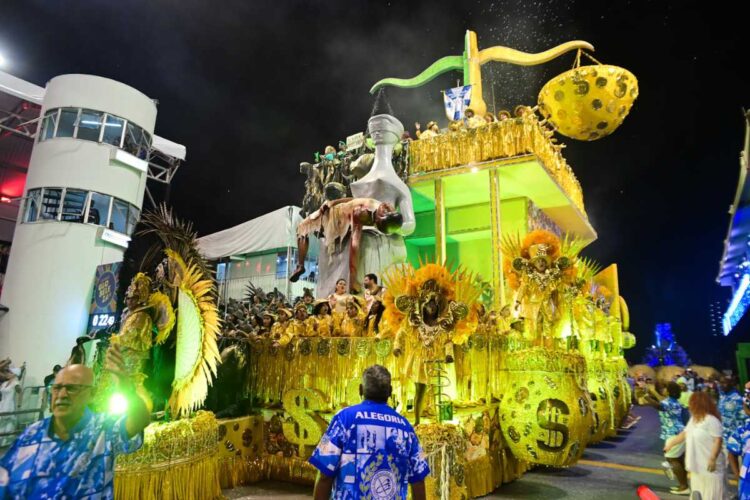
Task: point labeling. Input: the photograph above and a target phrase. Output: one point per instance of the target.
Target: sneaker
(677, 491)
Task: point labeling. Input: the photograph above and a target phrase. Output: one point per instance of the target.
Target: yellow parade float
(505, 344)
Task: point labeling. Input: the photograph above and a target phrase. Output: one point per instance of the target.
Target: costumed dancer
(266, 324)
(352, 325)
(301, 326)
(280, 331)
(323, 319)
(542, 270)
(432, 130)
(430, 345)
(472, 120)
(146, 311)
(374, 326)
(429, 321)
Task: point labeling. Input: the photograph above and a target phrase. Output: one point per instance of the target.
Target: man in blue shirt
(671, 419)
(369, 450)
(738, 448)
(72, 453)
(730, 407)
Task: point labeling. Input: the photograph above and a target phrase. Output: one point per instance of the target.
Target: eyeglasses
(71, 389)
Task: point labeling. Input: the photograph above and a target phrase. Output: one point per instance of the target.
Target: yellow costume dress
(352, 327)
(301, 328)
(324, 325)
(280, 332)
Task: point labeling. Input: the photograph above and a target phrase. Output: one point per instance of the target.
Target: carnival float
(505, 343)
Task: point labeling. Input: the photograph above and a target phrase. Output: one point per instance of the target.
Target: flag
(456, 101)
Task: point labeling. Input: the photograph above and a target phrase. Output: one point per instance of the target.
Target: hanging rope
(579, 53)
(590, 57)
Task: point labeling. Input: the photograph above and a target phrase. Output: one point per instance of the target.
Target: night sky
(254, 87)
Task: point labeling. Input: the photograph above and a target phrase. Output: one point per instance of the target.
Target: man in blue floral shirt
(738, 448)
(672, 423)
(369, 450)
(730, 407)
(72, 453)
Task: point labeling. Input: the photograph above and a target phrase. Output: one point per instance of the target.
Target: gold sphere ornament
(588, 102)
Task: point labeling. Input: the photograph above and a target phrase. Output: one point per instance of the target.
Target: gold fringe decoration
(512, 467)
(290, 469)
(505, 139)
(178, 460)
(330, 365)
(483, 475)
(334, 366)
(196, 478)
(237, 471)
(444, 447)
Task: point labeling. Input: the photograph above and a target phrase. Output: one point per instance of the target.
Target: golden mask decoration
(430, 312)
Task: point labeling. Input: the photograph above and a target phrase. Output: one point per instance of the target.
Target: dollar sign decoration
(306, 427)
(551, 415)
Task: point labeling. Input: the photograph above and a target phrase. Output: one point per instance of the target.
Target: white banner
(456, 101)
(355, 141)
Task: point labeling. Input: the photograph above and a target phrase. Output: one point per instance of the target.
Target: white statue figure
(381, 182)
(363, 234)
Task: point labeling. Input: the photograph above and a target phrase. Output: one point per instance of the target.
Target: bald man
(72, 453)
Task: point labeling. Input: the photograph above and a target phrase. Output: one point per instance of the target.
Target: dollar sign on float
(549, 415)
(306, 427)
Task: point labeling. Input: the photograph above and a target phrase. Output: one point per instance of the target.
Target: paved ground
(610, 470)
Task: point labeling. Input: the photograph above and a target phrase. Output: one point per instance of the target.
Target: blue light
(738, 306)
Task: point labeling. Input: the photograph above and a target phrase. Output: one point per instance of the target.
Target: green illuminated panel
(420, 249)
(466, 218)
(513, 216)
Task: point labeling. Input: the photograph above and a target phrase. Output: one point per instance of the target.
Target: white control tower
(83, 197)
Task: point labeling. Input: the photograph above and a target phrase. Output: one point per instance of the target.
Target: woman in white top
(10, 390)
(339, 298)
(703, 442)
